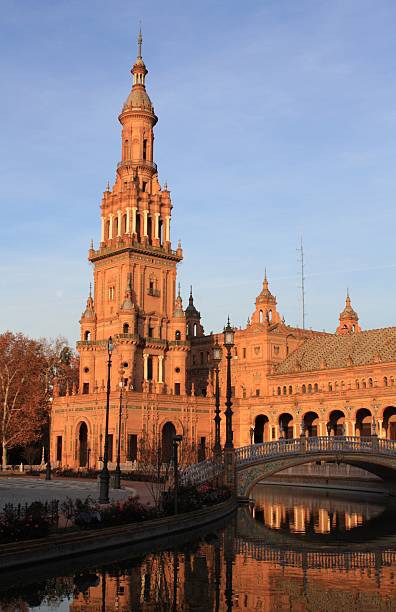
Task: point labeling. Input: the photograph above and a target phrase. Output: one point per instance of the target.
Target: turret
(193, 319)
(349, 320)
(266, 312)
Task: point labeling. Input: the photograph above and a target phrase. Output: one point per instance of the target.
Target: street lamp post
(229, 446)
(104, 477)
(176, 441)
(217, 354)
(48, 466)
(117, 473)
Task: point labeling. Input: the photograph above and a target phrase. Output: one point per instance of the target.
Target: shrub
(28, 523)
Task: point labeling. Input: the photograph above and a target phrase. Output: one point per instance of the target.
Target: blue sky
(277, 119)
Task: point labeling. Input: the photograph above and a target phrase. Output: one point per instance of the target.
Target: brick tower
(135, 267)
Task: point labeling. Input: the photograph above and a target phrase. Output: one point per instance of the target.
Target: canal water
(296, 549)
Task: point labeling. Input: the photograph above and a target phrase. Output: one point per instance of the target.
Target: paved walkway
(23, 490)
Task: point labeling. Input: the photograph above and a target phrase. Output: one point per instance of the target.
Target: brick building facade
(284, 378)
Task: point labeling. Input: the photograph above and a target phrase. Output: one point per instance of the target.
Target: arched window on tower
(124, 224)
(145, 148)
(195, 329)
(87, 336)
(370, 382)
(304, 389)
(126, 150)
(115, 226)
(385, 381)
(261, 316)
(177, 335)
(290, 390)
(125, 328)
(270, 316)
(316, 388)
(108, 229)
(279, 390)
(138, 226)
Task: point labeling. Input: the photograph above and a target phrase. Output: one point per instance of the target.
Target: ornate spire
(127, 303)
(191, 311)
(89, 312)
(265, 295)
(140, 40)
(178, 312)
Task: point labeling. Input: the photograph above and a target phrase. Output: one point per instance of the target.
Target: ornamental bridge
(256, 462)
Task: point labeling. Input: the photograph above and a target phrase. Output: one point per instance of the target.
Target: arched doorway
(286, 429)
(168, 433)
(311, 423)
(261, 429)
(364, 421)
(337, 421)
(83, 445)
(389, 422)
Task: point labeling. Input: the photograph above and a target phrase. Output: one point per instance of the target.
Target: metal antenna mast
(302, 287)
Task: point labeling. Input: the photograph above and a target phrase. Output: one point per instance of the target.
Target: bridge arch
(249, 476)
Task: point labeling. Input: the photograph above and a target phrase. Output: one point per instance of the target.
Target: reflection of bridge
(348, 560)
(258, 461)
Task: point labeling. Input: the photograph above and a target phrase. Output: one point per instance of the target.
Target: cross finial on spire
(191, 291)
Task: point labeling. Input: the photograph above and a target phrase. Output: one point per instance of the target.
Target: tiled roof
(333, 351)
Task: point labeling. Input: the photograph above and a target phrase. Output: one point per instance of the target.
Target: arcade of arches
(285, 380)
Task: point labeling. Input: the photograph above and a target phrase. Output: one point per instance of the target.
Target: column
(119, 216)
(322, 431)
(145, 215)
(160, 368)
(102, 234)
(134, 210)
(295, 431)
(167, 229)
(111, 226)
(156, 226)
(380, 430)
(128, 220)
(145, 365)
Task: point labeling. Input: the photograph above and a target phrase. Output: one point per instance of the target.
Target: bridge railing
(323, 444)
(204, 471)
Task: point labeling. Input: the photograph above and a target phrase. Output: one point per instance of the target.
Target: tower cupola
(349, 320)
(193, 319)
(265, 312)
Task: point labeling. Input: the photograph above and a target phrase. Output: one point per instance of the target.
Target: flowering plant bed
(38, 520)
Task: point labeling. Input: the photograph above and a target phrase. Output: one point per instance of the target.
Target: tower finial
(140, 40)
(191, 291)
(90, 290)
(178, 290)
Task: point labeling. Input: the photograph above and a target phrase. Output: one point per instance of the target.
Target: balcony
(137, 163)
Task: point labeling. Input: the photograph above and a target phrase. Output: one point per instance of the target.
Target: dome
(138, 98)
(348, 313)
